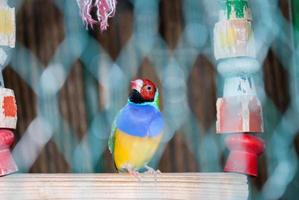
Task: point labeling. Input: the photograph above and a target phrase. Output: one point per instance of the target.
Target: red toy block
(238, 114)
(7, 163)
(244, 152)
(8, 109)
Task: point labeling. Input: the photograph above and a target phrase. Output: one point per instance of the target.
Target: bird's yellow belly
(133, 151)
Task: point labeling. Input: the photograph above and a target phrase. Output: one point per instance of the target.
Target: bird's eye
(149, 88)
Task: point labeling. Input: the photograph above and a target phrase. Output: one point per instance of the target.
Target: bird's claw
(132, 172)
(151, 170)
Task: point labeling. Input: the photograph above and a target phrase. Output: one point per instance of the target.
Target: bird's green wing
(112, 134)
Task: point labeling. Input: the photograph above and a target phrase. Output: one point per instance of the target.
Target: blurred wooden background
(40, 28)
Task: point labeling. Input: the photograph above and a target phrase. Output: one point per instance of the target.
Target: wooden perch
(123, 186)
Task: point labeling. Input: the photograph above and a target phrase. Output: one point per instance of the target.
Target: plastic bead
(7, 163)
(244, 152)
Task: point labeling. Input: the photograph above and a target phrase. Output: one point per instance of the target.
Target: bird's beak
(137, 85)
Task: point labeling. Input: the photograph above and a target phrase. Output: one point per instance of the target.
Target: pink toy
(8, 121)
(104, 9)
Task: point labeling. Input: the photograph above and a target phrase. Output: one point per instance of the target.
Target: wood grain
(123, 186)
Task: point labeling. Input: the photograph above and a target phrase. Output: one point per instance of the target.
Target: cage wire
(173, 65)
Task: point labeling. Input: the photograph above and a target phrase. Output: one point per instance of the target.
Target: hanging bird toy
(239, 111)
(8, 107)
(103, 10)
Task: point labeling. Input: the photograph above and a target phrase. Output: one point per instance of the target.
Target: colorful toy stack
(239, 111)
(8, 107)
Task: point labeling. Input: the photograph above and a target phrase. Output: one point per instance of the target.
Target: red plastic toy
(244, 152)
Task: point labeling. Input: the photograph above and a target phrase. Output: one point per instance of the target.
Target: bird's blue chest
(140, 120)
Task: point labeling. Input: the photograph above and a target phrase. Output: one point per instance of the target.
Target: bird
(137, 129)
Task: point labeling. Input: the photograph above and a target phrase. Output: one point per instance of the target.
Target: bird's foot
(132, 171)
(150, 170)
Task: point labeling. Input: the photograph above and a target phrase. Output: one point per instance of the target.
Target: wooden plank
(123, 186)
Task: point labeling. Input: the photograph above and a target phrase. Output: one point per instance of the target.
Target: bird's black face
(135, 97)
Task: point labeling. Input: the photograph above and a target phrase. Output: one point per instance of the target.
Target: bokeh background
(70, 82)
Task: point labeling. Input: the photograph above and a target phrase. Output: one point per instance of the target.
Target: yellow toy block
(7, 26)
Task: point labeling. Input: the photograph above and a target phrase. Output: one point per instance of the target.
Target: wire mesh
(70, 83)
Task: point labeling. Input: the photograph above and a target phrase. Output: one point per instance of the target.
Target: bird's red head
(143, 90)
